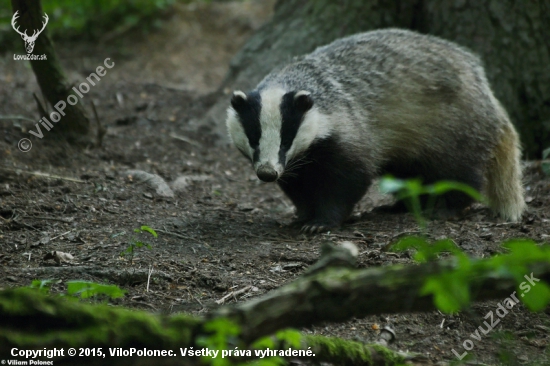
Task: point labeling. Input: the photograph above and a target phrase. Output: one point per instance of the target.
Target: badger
(382, 102)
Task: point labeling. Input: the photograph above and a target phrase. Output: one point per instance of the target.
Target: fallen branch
(118, 276)
(22, 118)
(31, 320)
(40, 174)
(330, 291)
(232, 293)
(312, 299)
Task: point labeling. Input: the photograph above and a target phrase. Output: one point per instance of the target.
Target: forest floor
(223, 230)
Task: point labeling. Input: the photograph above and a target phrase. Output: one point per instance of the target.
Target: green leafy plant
(86, 289)
(411, 190)
(136, 244)
(451, 290)
(44, 286)
(286, 337)
(222, 333)
(82, 289)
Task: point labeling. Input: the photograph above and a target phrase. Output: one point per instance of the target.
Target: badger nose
(267, 173)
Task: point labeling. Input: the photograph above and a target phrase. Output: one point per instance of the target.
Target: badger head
(272, 127)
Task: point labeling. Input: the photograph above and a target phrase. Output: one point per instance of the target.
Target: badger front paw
(315, 227)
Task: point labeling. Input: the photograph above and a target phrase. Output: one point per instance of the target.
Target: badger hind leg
(503, 176)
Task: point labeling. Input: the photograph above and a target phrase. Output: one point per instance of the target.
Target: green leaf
(426, 251)
(442, 187)
(450, 291)
(410, 242)
(149, 230)
(43, 285)
(221, 330)
(537, 298)
(290, 336)
(86, 289)
(140, 244)
(391, 185)
(223, 326)
(263, 343)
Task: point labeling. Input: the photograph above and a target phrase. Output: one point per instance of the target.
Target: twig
(149, 277)
(44, 175)
(59, 236)
(185, 139)
(67, 221)
(101, 131)
(110, 211)
(39, 105)
(194, 298)
(18, 117)
(174, 234)
(233, 294)
(151, 306)
(183, 237)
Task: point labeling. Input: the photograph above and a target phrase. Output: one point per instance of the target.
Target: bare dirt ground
(223, 230)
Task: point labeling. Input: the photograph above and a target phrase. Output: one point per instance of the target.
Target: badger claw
(313, 229)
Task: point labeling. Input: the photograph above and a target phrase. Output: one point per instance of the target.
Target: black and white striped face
(272, 127)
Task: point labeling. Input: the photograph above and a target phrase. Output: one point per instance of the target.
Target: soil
(222, 230)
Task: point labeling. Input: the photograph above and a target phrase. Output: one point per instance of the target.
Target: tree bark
(511, 36)
(75, 125)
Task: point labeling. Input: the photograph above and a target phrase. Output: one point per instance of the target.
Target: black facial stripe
(292, 116)
(249, 116)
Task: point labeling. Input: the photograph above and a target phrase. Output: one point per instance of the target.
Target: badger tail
(504, 178)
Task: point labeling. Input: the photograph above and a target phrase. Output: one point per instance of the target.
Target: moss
(344, 352)
(30, 318)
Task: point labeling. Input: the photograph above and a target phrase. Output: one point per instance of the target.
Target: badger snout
(267, 173)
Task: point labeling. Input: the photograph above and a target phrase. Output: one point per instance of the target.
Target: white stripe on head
(238, 93)
(236, 132)
(271, 121)
(300, 93)
(315, 126)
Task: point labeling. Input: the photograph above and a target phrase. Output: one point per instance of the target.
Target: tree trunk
(511, 36)
(74, 126)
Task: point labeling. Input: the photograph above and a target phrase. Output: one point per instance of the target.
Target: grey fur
(393, 95)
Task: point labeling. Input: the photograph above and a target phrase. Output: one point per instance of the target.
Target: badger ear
(238, 100)
(303, 101)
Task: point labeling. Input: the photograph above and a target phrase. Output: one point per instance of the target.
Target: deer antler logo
(29, 40)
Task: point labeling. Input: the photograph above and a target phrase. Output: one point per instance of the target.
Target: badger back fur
(387, 101)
